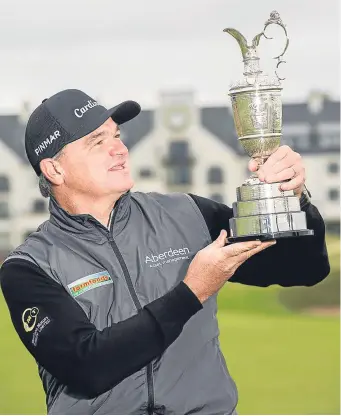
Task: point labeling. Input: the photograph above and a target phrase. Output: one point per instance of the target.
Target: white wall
(320, 181)
(207, 150)
(23, 191)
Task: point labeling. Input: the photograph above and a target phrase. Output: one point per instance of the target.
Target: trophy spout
(242, 42)
(249, 52)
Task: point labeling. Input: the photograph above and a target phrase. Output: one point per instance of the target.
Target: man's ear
(52, 171)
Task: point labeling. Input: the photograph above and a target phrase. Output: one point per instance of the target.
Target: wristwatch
(305, 197)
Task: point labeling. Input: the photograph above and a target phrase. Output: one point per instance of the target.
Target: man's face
(97, 164)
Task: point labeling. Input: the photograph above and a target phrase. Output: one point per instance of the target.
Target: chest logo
(86, 283)
(169, 256)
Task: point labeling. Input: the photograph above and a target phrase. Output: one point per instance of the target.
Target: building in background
(190, 149)
(180, 147)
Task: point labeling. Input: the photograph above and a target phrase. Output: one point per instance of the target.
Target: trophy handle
(275, 19)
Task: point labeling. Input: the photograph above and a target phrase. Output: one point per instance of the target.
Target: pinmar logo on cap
(89, 282)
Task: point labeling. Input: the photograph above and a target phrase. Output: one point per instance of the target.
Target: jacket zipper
(150, 382)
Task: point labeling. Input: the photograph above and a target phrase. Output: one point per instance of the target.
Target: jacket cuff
(305, 200)
(173, 310)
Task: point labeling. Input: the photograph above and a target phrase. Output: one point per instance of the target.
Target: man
(115, 295)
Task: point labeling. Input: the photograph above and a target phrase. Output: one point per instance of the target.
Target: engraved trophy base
(264, 212)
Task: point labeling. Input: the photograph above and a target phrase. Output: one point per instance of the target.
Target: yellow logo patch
(89, 282)
(29, 318)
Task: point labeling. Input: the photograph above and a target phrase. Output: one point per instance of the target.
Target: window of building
(146, 173)
(4, 241)
(39, 206)
(217, 197)
(330, 141)
(288, 140)
(179, 163)
(4, 184)
(304, 142)
(179, 175)
(334, 194)
(4, 209)
(314, 136)
(294, 141)
(333, 167)
(215, 175)
(179, 151)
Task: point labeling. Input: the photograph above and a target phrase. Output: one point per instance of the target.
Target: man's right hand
(215, 264)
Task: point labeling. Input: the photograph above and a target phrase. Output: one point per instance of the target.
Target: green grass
(284, 362)
(20, 387)
(283, 365)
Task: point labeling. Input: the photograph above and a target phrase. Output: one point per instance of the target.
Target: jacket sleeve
(299, 261)
(58, 334)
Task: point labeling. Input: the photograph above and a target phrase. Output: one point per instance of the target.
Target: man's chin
(127, 186)
(131, 184)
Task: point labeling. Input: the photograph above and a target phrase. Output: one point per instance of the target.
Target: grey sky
(130, 49)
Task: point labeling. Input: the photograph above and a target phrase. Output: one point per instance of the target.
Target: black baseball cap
(65, 117)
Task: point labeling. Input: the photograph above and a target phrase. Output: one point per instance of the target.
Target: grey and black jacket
(108, 319)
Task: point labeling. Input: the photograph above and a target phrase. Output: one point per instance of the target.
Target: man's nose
(118, 148)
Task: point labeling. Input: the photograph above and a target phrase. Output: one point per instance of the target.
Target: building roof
(12, 133)
(137, 128)
(300, 113)
(218, 121)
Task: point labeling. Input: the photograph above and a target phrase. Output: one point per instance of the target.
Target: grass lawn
(283, 364)
(20, 387)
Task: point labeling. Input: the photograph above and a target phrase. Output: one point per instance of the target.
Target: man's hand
(216, 263)
(283, 164)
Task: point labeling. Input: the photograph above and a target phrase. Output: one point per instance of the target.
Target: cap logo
(47, 142)
(79, 112)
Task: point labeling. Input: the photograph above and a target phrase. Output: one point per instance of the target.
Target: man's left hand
(283, 164)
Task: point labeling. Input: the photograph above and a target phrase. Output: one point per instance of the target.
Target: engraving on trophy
(277, 111)
(259, 113)
(262, 210)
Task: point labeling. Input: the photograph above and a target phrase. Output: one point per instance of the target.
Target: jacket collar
(85, 226)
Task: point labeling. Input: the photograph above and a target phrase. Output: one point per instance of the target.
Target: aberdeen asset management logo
(170, 256)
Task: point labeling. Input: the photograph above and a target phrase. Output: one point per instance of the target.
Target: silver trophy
(262, 211)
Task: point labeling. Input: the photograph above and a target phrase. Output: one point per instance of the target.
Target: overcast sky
(130, 49)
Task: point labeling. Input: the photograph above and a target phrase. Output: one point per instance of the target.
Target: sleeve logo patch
(29, 318)
(86, 283)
